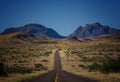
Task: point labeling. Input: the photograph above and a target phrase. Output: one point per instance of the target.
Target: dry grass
(76, 57)
(51, 60)
(27, 56)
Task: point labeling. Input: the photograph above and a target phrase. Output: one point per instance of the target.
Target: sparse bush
(44, 60)
(67, 53)
(47, 53)
(84, 57)
(38, 65)
(81, 65)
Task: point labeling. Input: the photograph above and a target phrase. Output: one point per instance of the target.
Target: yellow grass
(51, 60)
(28, 56)
(72, 67)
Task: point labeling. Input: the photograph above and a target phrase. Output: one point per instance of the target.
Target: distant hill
(17, 37)
(110, 38)
(93, 30)
(35, 29)
(72, 39)
(23, 38)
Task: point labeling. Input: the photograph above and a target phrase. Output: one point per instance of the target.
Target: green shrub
(19, 69)
(3, 71)
(107, 66)
(94, 67)
(111, 65)
(38, 65)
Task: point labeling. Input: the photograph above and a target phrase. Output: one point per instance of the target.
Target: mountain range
(35, 29)
(93, 30)
(87, 31)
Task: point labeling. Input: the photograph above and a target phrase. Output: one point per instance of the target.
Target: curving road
(59, 75)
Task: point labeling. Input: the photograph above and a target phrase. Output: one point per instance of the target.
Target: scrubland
(97, 60)
(21, 61)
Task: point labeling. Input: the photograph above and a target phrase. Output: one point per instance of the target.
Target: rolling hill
(35, 29)
(23, 38)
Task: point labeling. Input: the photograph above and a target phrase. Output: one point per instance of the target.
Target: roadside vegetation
(107, 66)
(97, 60)
(24, 60)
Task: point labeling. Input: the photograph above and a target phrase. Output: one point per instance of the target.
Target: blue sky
(62, 15)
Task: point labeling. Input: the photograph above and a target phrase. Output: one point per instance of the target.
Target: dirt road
(59, 75)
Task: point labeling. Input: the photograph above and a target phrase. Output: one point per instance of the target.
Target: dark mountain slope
(35, 29)
(93, 30)
(24, 38)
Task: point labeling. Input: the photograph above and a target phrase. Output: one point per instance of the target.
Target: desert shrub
(81, 65)
(94, 67)
(38, 65)
(31, 49)
(84, 57)
(60, 49)
(19, 69)
(47, 53)
(73, 65)
(67, 53)
(107, 66)
(3, 71)
(44, 60)
(111, 65)
(75, 52)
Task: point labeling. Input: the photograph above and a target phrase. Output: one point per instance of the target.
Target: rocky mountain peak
(93, 30)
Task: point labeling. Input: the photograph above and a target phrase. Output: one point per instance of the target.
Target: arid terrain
(77, 59)
(23, 59)
(59, 40)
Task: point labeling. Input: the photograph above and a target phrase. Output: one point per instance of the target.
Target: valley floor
(71, 64)
(75, 58)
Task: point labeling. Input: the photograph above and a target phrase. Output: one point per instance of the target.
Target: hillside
(93, 30)
(35, 29)
(110, 38)
(21, 38)
(17, 37)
